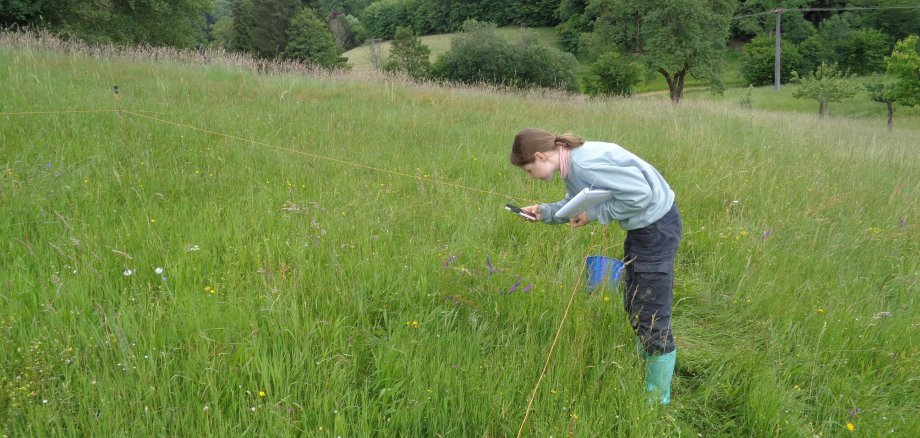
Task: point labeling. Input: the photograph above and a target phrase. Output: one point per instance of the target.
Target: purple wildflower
(449, 260)
(765, 235)
(527, 288)
(489, 265)
(854, 412)
(514, 288)
(48, 165)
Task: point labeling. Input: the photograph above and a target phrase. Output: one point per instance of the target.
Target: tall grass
(305, 296)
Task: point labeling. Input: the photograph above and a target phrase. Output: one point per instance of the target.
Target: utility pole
(779, 39)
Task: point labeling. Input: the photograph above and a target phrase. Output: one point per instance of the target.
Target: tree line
(620, 41)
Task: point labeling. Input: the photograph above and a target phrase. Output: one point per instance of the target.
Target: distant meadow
(227, 248)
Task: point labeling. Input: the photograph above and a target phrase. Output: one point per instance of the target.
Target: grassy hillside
(226, 253)
(360, 57)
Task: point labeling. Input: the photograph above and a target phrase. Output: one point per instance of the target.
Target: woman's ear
(540, 156)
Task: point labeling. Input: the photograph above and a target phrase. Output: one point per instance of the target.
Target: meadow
(223, 252)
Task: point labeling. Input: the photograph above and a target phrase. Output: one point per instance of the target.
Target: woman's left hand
(580, 219)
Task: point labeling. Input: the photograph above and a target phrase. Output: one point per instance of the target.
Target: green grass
(332, 287)
(360, 57)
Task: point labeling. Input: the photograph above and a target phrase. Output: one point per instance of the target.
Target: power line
(842, 8)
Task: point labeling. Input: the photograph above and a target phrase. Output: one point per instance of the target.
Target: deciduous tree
(827, 84)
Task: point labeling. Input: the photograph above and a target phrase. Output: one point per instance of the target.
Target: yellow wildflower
(851, 427)
(262, 394)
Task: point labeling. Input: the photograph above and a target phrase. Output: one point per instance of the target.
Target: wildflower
(851, 427)
(527, 288)
(413, 324)
(489, 265)
(606, 298)
(854, 412)
(514, 288)
(797, 387)
(262, 394)
(449, 260)
(128, 272)
(820, 310)
(158, 270)
(153, 221)
(765, 235)
(190, 248)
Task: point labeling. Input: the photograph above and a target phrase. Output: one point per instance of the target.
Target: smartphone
(522, 213)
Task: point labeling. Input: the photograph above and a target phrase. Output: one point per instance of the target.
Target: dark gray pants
(649, 292)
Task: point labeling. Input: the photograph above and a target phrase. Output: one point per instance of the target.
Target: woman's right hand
(533, 209)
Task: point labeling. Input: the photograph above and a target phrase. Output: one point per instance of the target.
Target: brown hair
(532, 140)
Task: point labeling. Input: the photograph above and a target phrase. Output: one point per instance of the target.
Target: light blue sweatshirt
(641, 196)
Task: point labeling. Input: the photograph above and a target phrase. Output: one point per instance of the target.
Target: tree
(827, 84)
(241, 33)
(883, 92)
(408, 55)
(686, 37)
(897, 23)
(271, 19)
(310, 41)
(759, 57)
(864, 51)
(611, 75)
(904, 64)
(176, 23)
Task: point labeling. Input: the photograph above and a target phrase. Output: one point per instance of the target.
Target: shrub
(759, 57)
(408, 55)
(611, 75)
(863, 51)
(479, 55)
(310, 41)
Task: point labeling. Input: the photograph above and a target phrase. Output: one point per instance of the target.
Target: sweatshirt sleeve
(631, 192)
(548, 211)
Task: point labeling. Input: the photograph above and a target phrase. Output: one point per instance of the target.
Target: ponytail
(532, 140)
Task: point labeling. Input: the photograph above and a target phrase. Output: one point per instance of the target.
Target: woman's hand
(533, 209)
(579, 220)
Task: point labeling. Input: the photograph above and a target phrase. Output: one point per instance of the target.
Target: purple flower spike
(490, 265)
(49, 165)
(854, 412)
(527, 288)
(514, 288)
(449, 260)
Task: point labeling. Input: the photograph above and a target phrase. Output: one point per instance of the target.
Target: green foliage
(686, 37)
(347, 31)
(242, 34)
(794, 26)
(478, 55)
(618, 22)
(759, 58)
(863, 52)
(222, 33)
(271, 19)
(896, 23)
(381, 18)
(827, 84)
(904, 64)
(21, 12)
(570, 33)
(310, 41)
(408, 55)
(611, 75)
(175, 23)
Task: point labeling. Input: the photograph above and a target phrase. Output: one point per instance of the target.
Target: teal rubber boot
(658, 373)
